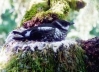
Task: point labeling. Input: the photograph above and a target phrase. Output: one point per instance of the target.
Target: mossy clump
(39, 7)
(32, 62)
(60, 7)
(80, 59)
(47, 60)
(41, 13)
(43, 17)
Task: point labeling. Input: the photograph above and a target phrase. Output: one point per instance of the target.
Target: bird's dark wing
(40, 32)
(16, 32)
(20, 38)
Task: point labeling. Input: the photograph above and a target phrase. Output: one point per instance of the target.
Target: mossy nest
(67, 57)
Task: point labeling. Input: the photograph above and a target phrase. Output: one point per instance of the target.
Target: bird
(47, 32)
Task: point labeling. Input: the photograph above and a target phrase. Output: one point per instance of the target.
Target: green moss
(80, 54)
(46, 14)
(35, 62)
(35, 9)
(66, 7)
(44, 17)
(60, 6)
(38, 8)
(48, 61)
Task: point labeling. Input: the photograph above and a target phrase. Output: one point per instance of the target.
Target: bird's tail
(19, 38)
(15, 32)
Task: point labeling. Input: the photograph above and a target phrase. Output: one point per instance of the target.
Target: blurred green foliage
(8, 21)
(95, 30)
(35, 9)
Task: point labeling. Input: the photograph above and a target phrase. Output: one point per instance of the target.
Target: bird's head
(62, 24)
